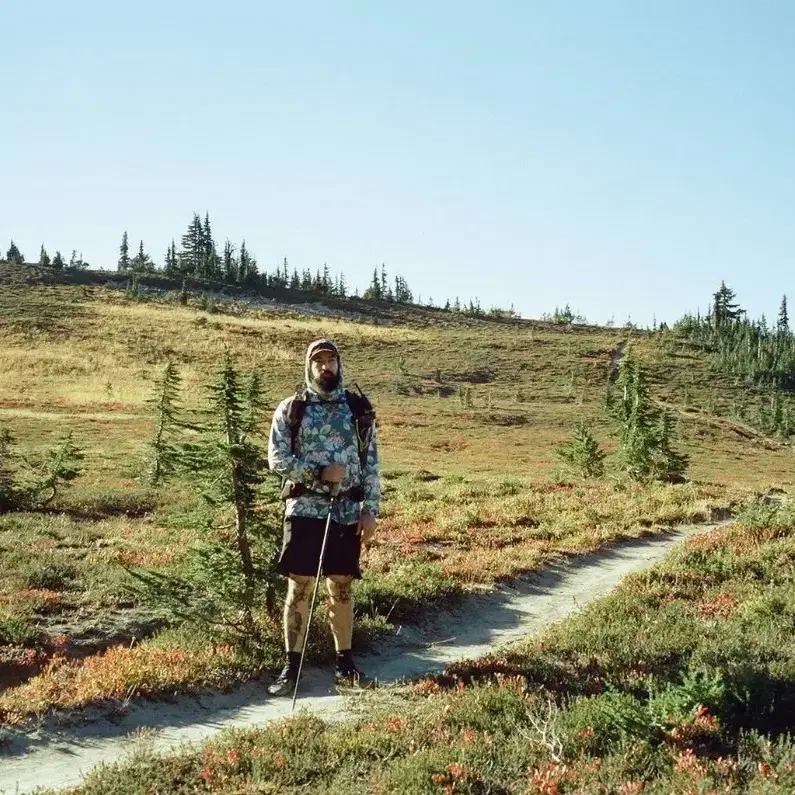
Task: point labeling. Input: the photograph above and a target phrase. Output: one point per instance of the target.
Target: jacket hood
(314, 347)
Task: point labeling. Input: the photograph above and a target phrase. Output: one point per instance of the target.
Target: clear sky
(622, 156)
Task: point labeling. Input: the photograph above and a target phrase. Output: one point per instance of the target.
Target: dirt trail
(59, 757)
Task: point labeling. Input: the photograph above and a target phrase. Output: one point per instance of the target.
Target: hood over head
(312, 349)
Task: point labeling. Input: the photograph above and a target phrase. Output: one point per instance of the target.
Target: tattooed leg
(340, 609)
(296, 611)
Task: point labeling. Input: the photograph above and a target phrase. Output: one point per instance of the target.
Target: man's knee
(298, 588)
(339, 587)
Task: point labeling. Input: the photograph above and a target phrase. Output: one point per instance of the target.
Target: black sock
(344, 658)
(294, 659)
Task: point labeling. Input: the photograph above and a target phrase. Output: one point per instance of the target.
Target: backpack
(363, 422)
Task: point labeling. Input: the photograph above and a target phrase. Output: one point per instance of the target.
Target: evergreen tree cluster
(752, 351)
(76, 261)
(140, 263)
(563, 317)
(199, 257)
(644, 430)
(380, 288)
(14, 255)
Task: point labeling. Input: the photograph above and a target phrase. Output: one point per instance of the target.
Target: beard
(327, 382)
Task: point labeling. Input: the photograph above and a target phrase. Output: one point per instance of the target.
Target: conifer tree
(26, 484)
(227, 578)
(228, 263)
(283, 276)
(374, 291)
(141, 262)
(207, 238)
(644, 431)
(61, 465)
(170, 266)
(474, 309)
(325, 286)
(247, 266)
(44, 257)
(668, 463)
(582, 456)
(402, 294)
(165, 404)
(782, 325)
(58, 261)
(210, 261)
(124, 253)
(252, 273)
(633, 411)
(76, 261)
(14, 255)
(724, 310)
(237, 460)
(242, 264)
(406, 295)
(191, 256)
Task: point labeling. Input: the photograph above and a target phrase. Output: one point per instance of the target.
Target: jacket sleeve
(371, 478)
(280, 455)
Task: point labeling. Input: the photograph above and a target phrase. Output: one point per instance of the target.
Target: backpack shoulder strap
(295, 415)
(363, 420)
(360, 405)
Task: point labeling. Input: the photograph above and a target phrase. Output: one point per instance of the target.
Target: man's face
(324, 369)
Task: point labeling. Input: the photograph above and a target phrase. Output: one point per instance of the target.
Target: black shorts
(303, 539)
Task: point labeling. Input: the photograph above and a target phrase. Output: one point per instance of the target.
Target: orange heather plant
(119, 673)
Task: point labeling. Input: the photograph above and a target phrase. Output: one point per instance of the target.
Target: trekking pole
(335, 490)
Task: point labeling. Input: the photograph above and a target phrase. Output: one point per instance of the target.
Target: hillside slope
(84, 356)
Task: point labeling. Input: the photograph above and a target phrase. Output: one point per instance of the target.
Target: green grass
(682, 680)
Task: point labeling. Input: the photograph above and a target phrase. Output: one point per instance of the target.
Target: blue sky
(616, 155)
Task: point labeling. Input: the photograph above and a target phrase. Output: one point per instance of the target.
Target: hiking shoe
(285, 682)
(348, 675)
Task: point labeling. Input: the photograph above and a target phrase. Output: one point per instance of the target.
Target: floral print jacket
(326, 436)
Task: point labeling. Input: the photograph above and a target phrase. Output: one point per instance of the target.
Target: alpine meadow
(139, 524)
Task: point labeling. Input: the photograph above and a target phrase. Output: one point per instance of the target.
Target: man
(333, 449)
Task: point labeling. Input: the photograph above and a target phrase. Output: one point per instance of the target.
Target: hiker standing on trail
(322, 440)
